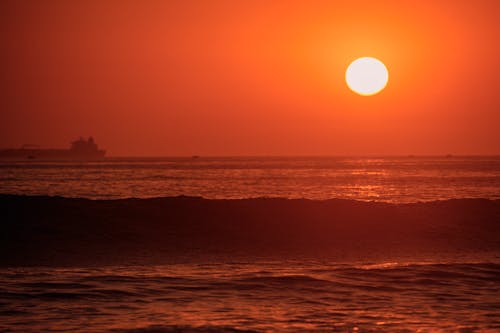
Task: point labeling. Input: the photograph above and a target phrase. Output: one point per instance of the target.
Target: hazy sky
(250, 77)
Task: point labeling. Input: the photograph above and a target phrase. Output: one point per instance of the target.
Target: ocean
(320, 244)
(281, 296)
(391, 179)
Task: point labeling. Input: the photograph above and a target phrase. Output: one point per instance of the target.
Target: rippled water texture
(461, 294)
(270, 296)
(406, 179)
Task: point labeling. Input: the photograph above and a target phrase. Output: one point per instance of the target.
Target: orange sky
(250, 77)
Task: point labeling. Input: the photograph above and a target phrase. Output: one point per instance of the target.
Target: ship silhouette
(80, 149)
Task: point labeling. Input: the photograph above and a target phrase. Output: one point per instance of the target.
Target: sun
(366, 76)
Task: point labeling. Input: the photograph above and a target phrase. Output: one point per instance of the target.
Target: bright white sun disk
(366, 76)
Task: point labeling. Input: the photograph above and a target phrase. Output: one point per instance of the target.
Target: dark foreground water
(277, 296)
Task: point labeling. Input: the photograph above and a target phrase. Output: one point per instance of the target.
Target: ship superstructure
(81, 149)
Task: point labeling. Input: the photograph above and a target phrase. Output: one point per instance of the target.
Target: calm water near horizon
(392, 179)
(389, 292)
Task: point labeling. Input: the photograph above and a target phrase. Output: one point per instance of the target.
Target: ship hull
(50, 154)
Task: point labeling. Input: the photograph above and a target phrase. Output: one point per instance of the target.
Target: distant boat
(80, 149)
(195, 156)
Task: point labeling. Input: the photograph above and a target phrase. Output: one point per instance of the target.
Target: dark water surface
(194, 265)
(277, 296)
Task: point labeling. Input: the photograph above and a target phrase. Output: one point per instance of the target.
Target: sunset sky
(250, 77)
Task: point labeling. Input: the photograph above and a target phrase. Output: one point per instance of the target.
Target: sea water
(262, 296)
(425, 292)
(391, 179)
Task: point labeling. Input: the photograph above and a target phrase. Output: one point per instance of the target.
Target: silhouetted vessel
(80, 149)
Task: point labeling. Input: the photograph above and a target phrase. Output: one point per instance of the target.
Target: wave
(41, 230)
